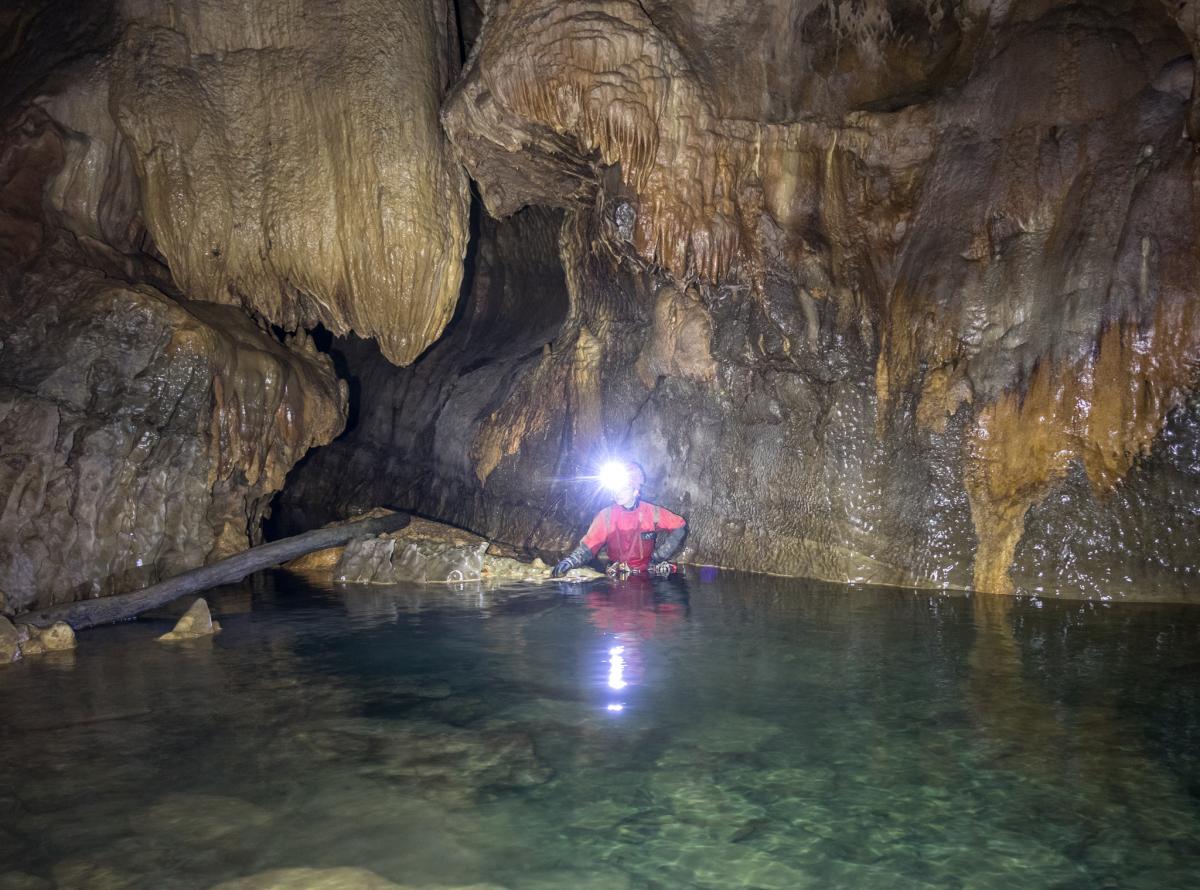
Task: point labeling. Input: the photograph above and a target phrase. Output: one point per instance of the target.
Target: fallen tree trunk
(108, 609)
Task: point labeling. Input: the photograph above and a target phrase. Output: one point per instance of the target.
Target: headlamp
(615, 476)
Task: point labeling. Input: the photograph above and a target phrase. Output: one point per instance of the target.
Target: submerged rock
(87, 874)
(327, 879)
(199, 820)
(196, 622)
(311, 879)
(19, 880)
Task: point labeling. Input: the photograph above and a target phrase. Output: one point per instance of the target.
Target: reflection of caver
(630, 529)
(633, 607)
(630, 613)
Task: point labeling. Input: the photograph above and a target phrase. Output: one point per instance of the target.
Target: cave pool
(710, 730)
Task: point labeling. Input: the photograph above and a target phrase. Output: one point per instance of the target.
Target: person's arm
(669, 543)
(675, 527)
(581, 555)
(587, 549)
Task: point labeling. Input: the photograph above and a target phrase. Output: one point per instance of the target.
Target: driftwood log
(108, 609)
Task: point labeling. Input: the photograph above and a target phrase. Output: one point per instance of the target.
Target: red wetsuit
(629, 534)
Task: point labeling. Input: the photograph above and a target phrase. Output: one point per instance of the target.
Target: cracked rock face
(149, 440)
(142, 434)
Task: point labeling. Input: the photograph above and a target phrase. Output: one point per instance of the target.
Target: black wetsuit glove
(581, 555)
(669, 543)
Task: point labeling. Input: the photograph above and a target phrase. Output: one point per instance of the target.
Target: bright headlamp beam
(614, 476)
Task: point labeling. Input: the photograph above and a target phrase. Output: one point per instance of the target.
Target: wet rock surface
(142, 435)
(871, 316)
(879, 292)
(58, 637)
(197, 621)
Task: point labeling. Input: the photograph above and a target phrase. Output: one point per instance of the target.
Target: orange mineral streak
(1104, 410)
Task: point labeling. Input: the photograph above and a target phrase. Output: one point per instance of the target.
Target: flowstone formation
(869, 287)
(186, 188)
(292, 162)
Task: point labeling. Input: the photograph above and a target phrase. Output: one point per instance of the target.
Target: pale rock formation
(58, 637)
(10, 642)
(197, 621)
(291, 160)
(430, 553)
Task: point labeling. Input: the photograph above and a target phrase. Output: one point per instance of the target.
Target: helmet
(616, 475)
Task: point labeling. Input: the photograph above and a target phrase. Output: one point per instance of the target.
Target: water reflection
(771, 734)
(629, 613)
(1086, 769)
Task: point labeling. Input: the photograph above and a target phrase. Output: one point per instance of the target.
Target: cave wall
(892, 292)
(186, 188)
(142, 434)
(869, 288)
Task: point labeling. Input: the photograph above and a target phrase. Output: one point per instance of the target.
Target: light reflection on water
(708, 731)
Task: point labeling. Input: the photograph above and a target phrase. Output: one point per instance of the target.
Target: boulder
(10, 645)
(36, 640)
(196, 622)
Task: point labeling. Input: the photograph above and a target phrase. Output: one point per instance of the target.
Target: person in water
(629, 528)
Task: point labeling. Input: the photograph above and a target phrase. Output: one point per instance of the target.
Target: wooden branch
(107, 609)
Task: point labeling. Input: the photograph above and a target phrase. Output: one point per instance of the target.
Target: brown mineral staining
(1104, 411)
(292, 161)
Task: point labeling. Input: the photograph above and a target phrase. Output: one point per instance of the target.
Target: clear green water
(748, 733)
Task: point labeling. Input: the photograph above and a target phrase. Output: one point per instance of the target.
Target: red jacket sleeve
(668, 521)
(597, 533)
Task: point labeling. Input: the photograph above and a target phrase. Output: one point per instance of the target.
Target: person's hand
(562, 568)
(662, 569)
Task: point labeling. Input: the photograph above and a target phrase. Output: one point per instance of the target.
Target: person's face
(626, 495)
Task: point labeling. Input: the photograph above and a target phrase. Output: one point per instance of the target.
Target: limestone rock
(202, 820)
(196, 622)
(10, 642)
(16, 880)
(347, 878)
(142, 435)
(55, 638)
(81, 873)
(391, 559)
(292, 161)
(935, 297)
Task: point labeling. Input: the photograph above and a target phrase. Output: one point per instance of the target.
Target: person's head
(624, 480)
